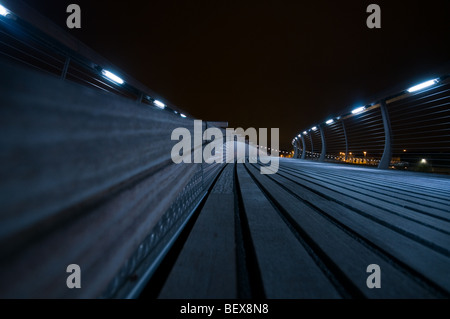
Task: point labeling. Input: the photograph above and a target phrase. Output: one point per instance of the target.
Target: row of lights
(335, 157)
(107, 74)
(341, 156)
(273, 149)
(363, 108)
(111, 76)
(116, 79)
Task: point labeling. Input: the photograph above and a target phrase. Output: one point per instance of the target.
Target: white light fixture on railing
(182, 115)
(358, 110)
(159, 104)
(314, 128)
(330, 121)
(304, 132)
(112, 77)
(3, 11)
(422, 85)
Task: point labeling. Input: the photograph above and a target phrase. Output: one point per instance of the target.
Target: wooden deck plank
(428, 235)
(349, 254)
(425, 261)
(401, 197)
(397, 180)
(287, 270)
(206, 266)
(440, 220)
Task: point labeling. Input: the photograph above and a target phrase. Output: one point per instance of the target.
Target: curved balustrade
(408, 131)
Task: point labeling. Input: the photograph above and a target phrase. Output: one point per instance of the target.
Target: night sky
(286, 64)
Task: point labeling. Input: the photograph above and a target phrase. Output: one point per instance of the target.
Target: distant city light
(159, 104)
(3, 11)
(358, 110)
(330, 121)
(422, 85)
(182, 115)
(112, 77)
(423, 161)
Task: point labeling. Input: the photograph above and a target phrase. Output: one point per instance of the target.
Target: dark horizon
(267, 64)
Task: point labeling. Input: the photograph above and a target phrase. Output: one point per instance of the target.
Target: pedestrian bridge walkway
(87, 178)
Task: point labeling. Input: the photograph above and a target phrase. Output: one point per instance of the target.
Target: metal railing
(409, 130)
(31, 40)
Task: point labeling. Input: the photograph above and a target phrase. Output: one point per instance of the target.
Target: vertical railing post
(66, 67)
(140, 97)
(304, 146)
(387, 153)
(324, 146)
(297, 142)
(312, 144)
(295, 149)
(346, 139)
(202, 163)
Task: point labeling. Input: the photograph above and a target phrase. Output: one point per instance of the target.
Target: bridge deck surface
(311, 230)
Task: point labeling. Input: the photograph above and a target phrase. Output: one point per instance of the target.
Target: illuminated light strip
(358, 110)
(3, 11)
(159, 104)
(422, 85)
(112, 77)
